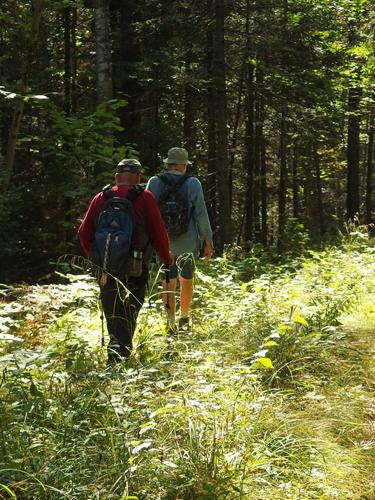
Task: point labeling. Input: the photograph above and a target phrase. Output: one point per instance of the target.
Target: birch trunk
(103, 51)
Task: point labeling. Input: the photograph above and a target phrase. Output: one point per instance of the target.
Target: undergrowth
(271, 393)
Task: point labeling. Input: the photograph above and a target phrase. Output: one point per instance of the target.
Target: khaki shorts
(184, 266)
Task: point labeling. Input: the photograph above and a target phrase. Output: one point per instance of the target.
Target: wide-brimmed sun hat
(177, 156)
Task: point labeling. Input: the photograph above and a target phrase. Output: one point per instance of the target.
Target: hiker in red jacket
(120, 307)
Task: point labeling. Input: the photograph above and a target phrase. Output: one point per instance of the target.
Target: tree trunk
(307, 191)
(283, 179)
(370, 170)
(263, 190)
(249, 137)
(20, 103)
(282, 184)
(258, 139)
(211, 181)
(354, 124)
(295, 181)
(224, 188)
(235, 134)
(249, 155)
(155, 138)
(74, 61)
(67, 19)
(67, 61)
(189, 113)
(104, 87)
(126, 58)
(103, 51)
(354, 120)
(319, 198)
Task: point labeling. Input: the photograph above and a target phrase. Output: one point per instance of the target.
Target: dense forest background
(274, 99)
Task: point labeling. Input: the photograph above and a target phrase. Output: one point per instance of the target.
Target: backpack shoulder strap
(134, 192)
(165, 179)
(108, 191)
(184, 178)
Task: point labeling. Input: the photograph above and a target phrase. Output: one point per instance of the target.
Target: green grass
(271, 395)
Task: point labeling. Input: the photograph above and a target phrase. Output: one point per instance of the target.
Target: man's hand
(207, 250)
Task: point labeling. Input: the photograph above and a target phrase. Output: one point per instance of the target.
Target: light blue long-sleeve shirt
(199, 224)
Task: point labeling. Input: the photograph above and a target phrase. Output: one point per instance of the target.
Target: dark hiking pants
(122, 302)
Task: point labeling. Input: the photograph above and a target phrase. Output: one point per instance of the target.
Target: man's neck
(177, 172)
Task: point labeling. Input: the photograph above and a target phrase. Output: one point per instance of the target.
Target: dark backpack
(114, 233)
(174, 206)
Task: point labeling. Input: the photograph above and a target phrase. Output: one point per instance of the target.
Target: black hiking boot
(117, 354)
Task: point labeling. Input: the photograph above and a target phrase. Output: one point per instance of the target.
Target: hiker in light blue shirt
(195, 240)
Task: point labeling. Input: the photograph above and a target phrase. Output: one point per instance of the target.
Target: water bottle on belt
(135, 263)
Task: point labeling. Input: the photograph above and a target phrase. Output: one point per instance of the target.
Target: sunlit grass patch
(269, 395)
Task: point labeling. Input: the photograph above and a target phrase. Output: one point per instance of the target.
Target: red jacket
(145, 202)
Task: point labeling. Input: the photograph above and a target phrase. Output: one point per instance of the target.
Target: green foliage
(291, 314)
(305, 331)
(81, 142)
(79, 154)
(193, 416)
(313, 52)
(298, 238)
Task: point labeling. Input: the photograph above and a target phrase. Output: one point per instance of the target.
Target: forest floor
(272, 393)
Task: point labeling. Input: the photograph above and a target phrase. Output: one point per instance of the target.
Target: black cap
(129, 165)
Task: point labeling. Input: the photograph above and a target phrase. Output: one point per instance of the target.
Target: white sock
(185, 315)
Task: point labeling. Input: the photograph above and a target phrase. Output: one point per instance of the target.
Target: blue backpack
(112, 243)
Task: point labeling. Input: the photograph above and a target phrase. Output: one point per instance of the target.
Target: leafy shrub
(303, 326)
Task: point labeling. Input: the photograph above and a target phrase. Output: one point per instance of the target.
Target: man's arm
(200, 215)
(153, 185)
(86, 230)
